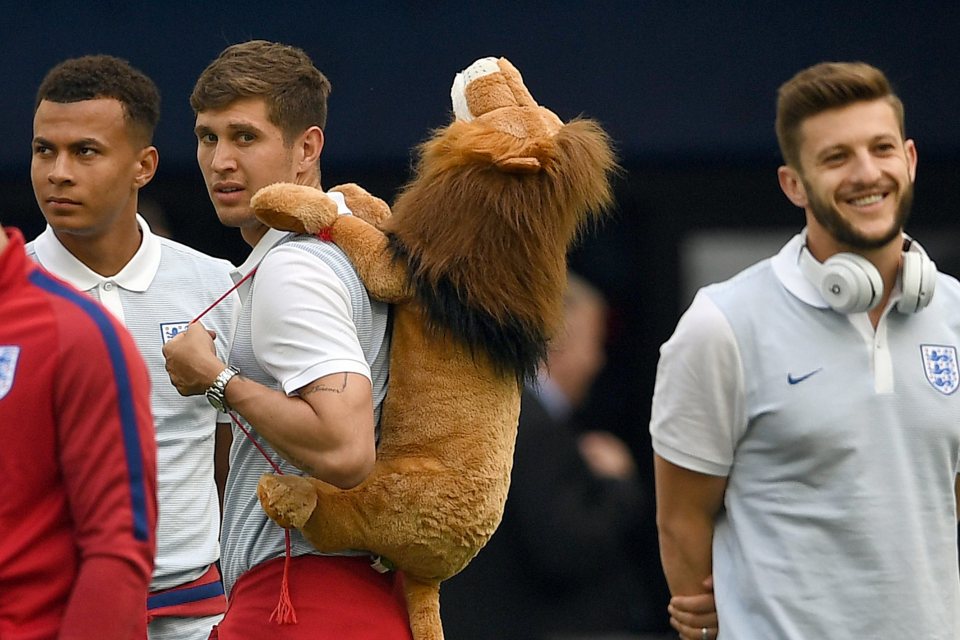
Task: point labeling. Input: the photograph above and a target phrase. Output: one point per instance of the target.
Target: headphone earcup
(850, 283)
(918, 276)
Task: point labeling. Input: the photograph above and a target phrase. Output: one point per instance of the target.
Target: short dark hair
(294, 90)
(825, 86)
(103, 76)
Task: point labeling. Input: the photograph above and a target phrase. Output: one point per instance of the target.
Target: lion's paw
(293, 207)
(363, 204)
(287, 500)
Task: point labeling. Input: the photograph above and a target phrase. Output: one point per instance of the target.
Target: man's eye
(207, 138)
(246, 138)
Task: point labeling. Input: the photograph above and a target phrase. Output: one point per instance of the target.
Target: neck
(105, 254)
(253, 233)
(309, 179)
(888, 261)
(3, 239)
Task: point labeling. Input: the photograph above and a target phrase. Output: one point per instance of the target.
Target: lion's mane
(477, 239)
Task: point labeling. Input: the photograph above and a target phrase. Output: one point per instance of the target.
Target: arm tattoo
(324, 387)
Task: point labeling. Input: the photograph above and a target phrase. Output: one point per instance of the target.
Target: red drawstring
(284, 612)
(229, 291)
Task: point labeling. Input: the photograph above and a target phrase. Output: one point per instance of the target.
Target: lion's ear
(292, 207)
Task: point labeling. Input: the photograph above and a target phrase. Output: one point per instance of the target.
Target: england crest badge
(940, 366)
(170, 330)
(9, 354)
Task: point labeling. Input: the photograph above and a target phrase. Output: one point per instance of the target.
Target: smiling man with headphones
(806, 419)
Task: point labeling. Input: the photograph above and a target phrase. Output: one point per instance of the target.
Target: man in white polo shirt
(92, 153)
(806, 419)
(308, 364)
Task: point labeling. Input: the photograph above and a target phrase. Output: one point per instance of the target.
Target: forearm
(687, 505)
(686, 554)
(108, 601)
(332, 439)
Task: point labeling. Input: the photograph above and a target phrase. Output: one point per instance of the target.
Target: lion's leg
(287, 500)
(363, 204)
(329, 517)
(368, 250)
(293, 207)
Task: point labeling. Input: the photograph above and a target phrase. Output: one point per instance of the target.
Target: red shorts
(341, 598)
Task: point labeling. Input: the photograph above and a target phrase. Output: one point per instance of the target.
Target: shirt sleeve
(302, 320)
(108, 461)
(698, 413)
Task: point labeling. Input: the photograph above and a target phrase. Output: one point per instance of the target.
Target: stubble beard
(845, 233)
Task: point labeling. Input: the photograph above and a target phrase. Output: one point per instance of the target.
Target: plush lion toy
(473, 258)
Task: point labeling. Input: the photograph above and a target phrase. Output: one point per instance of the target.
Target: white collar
(786, 266)
(268, 241)
(136, 275)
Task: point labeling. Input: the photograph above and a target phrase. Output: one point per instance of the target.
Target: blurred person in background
(559, 565)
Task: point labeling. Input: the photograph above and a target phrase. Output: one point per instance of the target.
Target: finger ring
(704, 633)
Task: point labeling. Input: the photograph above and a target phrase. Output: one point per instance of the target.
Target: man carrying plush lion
(260, 113)
(473, 259)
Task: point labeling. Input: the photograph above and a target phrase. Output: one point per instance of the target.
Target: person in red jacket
(78, 461)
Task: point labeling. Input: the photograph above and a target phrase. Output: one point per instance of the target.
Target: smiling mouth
(867, 200)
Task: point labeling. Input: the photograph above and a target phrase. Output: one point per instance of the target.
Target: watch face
(216, 402)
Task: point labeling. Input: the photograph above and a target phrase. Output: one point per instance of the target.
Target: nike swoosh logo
(799, 379)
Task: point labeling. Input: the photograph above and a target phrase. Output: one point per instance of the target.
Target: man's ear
(792, 186)
(911, 149)
(146, 166)
(311, 144)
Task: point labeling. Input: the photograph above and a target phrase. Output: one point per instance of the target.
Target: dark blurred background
(686, 89)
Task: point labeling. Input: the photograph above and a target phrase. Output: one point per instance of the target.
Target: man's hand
(607, 455)
(690, 615)
(192, 361)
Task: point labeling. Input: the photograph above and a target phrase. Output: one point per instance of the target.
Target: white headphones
(851, 284)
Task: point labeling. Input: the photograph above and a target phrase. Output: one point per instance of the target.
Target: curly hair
(103, 76)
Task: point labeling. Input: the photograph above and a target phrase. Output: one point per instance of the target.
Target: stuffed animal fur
(474, 259)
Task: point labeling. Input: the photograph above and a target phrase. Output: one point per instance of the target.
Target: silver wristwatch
(216, 394)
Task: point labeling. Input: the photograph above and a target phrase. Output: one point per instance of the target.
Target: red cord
(284, 613)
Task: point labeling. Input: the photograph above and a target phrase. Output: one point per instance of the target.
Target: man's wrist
(216, 392)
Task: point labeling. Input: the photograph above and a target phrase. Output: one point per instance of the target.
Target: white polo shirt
(841, 446)
(304, 315)
(163, 287)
